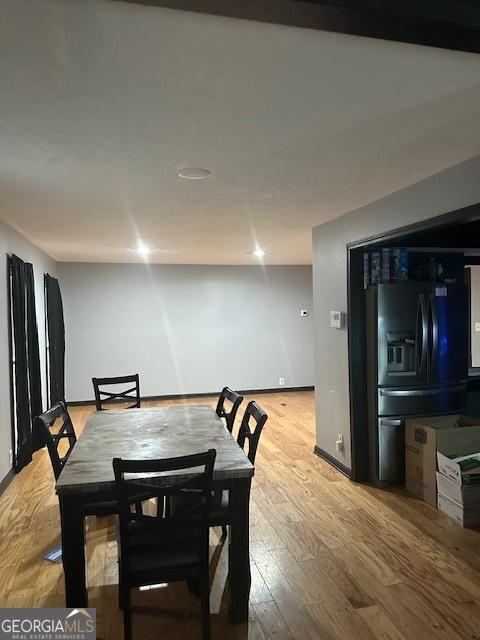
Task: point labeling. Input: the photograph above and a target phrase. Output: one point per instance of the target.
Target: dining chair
(44, 424)
(53, 439)
(103, 397)
(235, 400)
(153, 548)
(253, 421)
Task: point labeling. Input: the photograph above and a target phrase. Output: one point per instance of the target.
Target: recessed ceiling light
(142, 250)
(191, 173)
(259, 252)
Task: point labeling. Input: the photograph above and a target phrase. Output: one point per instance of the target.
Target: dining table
(152, 433)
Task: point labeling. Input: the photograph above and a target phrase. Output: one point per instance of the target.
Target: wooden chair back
(140, 480)
(104, 397)
(45, 424)
(235, 400)
(253, 421)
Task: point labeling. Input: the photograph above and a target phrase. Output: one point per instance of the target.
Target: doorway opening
(457, 232)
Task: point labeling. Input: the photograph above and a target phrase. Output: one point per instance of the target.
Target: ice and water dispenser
(401, 352)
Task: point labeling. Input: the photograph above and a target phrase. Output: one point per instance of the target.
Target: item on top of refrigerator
(385, 265)
(366, 270)
(432, 270)
(419, 273)
(440, 273)
(375, 268)
(399, 271)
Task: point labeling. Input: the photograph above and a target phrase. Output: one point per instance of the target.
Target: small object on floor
(283, 404)
(55, 555)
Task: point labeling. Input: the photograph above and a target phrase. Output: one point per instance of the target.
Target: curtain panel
(26, 382)
(56, 339)
(33, 354)
(22, 425)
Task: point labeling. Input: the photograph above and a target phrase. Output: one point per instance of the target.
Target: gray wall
(187, 329)
(13, 242)
(454, 188)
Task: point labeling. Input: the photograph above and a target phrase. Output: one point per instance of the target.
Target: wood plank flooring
(330, 559)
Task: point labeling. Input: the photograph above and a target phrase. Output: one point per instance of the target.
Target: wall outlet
(10, 458)
(340, 443)
(281, 381)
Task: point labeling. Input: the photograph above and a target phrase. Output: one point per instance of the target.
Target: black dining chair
(132, 392)
(253, 421)
(52, 437)
(156, 549)
(44, 423)
(234, 400)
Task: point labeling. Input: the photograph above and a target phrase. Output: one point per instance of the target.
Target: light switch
(477, 326)
(337, 319)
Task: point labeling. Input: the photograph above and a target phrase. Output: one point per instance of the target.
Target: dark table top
(145, 434)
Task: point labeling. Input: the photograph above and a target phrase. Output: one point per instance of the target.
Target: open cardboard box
(469, 518)
(450, 434)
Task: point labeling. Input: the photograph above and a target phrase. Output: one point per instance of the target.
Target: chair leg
(127, 615)
(205, 602)
(224, 530)
(164, 507)
(193, 587)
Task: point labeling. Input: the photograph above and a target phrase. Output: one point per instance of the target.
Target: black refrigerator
(417, 364)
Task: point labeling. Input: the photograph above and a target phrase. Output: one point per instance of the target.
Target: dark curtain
(23, 430)
(33, 353)
(56, 340)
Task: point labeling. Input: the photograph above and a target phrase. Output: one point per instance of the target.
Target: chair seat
(152, 551)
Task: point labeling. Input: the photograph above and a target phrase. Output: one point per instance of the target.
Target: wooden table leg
(73, 550)
(238, 550)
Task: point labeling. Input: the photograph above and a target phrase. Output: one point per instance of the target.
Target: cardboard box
(451, 468)
(465, 517)
(465, 496)
(423, 437)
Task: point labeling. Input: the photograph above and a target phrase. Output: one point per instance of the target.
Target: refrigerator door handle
(422, 334)
(433, 332)
(419, 392)
(391, 422)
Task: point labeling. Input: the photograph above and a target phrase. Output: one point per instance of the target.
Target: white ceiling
(102, 102)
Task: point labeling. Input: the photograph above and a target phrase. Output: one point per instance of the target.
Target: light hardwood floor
(330, 559)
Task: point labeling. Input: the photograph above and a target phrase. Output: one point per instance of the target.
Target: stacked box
(458, 483)
(424, 438)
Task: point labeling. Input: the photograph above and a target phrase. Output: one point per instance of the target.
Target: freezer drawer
(426, 401)
(391, 450)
